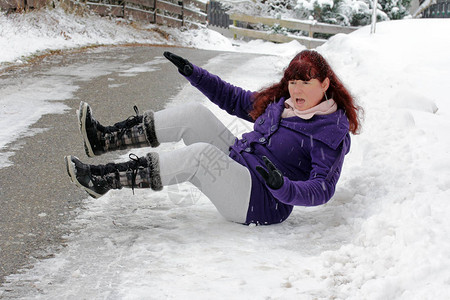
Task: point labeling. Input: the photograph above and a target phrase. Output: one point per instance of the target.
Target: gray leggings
(204, 161)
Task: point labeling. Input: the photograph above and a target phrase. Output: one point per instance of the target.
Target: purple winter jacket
(309, 153)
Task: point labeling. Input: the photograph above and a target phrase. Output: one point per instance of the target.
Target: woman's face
(307, 94)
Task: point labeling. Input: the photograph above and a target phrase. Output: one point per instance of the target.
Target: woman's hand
(183, 65)
(273, 177)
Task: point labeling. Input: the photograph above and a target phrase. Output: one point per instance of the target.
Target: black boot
(135, 132)
(97, 180)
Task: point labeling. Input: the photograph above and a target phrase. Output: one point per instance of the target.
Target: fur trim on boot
(149, 126)
(153, 163)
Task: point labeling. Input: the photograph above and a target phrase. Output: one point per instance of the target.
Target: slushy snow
(384, 235)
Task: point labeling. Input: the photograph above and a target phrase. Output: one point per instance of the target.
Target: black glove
(273, 177)
(183, 65)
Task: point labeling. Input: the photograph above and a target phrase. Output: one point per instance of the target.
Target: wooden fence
(193, 12)
(14, 5)
(168, 12)
(310, 27)
(243, 25)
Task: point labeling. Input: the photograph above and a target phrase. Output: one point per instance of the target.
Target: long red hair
(308, 65)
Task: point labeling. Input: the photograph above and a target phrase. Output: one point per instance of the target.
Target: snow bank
(25, 34)
(394, 189)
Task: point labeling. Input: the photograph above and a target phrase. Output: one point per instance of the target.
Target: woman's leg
(192, 123)
(224, 181)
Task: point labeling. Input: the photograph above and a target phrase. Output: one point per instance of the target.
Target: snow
(384, 235)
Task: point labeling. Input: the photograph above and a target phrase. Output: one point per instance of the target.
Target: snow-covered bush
(350, 12)
(341, 12)
(395, 9)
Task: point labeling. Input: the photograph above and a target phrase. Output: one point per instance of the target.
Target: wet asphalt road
(37, 199)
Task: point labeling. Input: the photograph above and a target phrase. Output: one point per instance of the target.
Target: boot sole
(70, 167)
(82, 113)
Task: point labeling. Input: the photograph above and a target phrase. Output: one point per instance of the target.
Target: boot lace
(134, 169)
(102, 179)
(129, 123)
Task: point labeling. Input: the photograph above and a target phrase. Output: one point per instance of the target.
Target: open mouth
(299, 101)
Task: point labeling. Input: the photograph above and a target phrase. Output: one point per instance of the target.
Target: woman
(293, 156)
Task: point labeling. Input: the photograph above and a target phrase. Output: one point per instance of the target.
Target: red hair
(305, 66)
